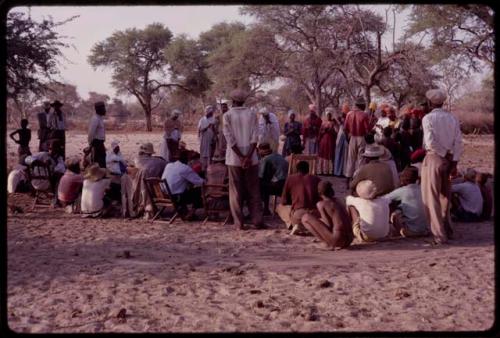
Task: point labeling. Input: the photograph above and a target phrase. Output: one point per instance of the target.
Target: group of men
(391, 190)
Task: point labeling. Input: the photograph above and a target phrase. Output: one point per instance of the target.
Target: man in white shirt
(370, 216)
(269, 129)
(240, 126)
(57, 125)
(184, 184)
(443, 146)
(96, 135)
(206, 134)
(468, 204)
(95, 203)
(115, 162)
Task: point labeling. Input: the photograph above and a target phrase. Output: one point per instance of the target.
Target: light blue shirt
(411, 205)
(178, 175)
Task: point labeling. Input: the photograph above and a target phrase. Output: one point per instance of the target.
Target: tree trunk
(149, 125)
(318, 101)
(368, 94)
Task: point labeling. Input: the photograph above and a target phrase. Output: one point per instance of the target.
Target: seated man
(386, 158)
(273, 170)
(17, 180)
(146, 166)
(334, 226)
(467, 200)
(95, 202)
(180, 177)
(375, 170)
(217, 174)
(300, 195)
(409, 218)
(370, 215)
(70, 185)
(481, 179)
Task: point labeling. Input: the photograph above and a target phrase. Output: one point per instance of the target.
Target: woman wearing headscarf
(292, 132)
(206, 134)
(341, 144)
(310, 131)
(327, 137)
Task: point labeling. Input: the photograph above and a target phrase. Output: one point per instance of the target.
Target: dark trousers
(98, 152)
(189, 197)
(60, 134)
(244, 185)
(268, 188)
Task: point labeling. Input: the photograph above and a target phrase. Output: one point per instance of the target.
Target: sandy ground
(68, 274)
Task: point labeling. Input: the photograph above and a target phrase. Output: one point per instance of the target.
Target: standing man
(293, 130)
(220, 145)
(206, 133)
(269, 129)
(443, 145)
(312, 124)
(96, 135)
(241, 132)
(43, 127)
(356, 126)
(171, 137)
(57, 126)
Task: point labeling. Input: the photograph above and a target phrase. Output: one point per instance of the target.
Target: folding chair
(159, 193)
(296, 158)
(215, 200)
(39, 175)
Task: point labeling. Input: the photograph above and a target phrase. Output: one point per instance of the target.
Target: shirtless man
(334, 226)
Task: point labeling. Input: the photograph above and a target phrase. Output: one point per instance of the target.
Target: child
(24, 139)
(334, 226)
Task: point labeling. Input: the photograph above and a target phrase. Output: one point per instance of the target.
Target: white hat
(114, 144)
(436, 96)
(373, 151)
(291, 112)
(224, 101)
(176, 112)
(366, 189)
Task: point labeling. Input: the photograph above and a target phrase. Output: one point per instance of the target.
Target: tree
(87, 108)
(33, 49)
(66, 93)
(465, 29)
(140, 68)
(454, 70)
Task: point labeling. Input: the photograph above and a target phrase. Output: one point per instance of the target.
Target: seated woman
(408, 218)
(370, 216)
(334, 226)
(70, 185)
(95, 203)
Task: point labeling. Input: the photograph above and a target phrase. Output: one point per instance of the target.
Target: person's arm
(11, 135)
(285, 195)
(189, 175)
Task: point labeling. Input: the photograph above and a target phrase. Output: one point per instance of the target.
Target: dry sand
(68, 274)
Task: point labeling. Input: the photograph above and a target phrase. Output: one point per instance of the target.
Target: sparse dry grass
(476, 123)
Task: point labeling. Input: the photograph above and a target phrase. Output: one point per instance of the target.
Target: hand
(246, 162)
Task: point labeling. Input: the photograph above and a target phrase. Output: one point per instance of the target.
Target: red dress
(327, 140)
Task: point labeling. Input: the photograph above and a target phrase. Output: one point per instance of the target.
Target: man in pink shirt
(70, 185)
(356, 126)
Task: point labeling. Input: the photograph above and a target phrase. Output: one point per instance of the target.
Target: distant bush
(476, 123)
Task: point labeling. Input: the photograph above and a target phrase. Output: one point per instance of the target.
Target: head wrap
(114, 144)
(209, 109)
(312, 107)
(291, 112)
(176, 112)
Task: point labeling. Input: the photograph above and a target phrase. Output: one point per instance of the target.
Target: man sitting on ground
(70, 185)
(273, 170)
(409, 218)
(334, 226)
(370, 215)
(95, 202)
(180, 177)
(467, 200)
(300, 195)
(376, 171)
(481, 179)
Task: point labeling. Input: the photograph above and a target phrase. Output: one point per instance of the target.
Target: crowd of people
(400, 171)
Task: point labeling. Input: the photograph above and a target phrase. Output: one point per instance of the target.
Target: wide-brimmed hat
(238, 95)
(147, 148)
(386, 155)
(373, 151)
(436, 96)
(56, 103)
(94, 172)
(366, 189)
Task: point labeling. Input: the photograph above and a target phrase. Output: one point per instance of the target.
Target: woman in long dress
(292, 132)
(341, 146)
(327, 137)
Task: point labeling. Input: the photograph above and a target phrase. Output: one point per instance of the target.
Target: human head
(24, 123)
(184, 157)
(291, 115)
(100, 108)
(175, 114)
(312, 108)
(46, 106)
(435, 97)
(373, 152)
(360, 103)
(481, 178)
(406, 123)
(146, 149)
(209, 110)
(54, 147)
(391, 114)
(325, 189)
(470, 175)
(409, 175)
(73, 164)
(238, 96)
(115, 146)
(264, 149)
(329, 113)
(56, 104)
(303, 167)
(345, 108)
(370, 138)
(223, 106)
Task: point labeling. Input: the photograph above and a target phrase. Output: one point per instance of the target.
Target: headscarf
(291, 112)
(209, 109)
(312, 107)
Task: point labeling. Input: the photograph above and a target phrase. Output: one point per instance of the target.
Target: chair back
(39, 174)
(296, 158)
(159, 192)
(211, 193)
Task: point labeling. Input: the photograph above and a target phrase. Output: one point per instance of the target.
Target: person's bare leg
(318, 229)
(323, 212)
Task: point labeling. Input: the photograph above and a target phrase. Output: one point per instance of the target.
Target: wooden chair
(40, 173)
(159, 193)
(296, 158)
(215, 200)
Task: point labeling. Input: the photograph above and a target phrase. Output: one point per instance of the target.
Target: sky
(96, 23)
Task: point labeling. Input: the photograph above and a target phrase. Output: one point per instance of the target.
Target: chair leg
(157, 214)
(205, 221)
(226, 220)
(173, 218)
(34, 201)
